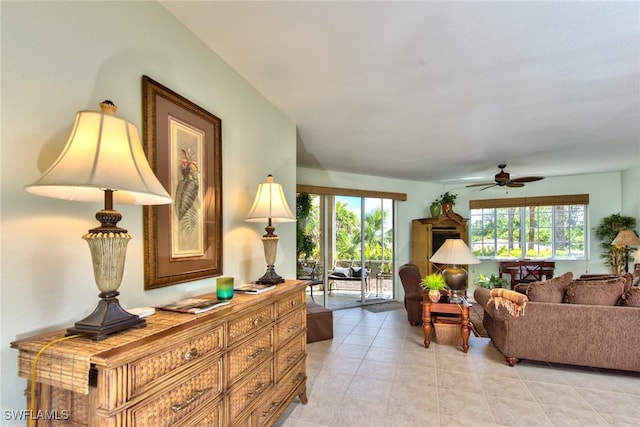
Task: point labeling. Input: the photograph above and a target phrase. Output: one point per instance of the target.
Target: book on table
(194, 305)
(253, 288)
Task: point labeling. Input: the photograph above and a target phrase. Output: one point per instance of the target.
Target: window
(531, 227)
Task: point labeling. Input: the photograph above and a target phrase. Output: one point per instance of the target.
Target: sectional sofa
(568, 321)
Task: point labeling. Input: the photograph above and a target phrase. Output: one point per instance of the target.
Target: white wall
(631, 193)
(631, 203)
(62, 57)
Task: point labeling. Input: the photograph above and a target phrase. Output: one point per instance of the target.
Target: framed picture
(183, 142)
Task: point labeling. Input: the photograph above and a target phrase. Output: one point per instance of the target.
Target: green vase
(436, 210)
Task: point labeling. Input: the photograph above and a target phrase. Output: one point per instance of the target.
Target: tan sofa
(603, 336)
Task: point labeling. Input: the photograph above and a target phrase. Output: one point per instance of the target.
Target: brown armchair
(410, 278)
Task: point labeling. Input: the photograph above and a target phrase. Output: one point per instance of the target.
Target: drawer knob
(294, 302)
(180, 406)
(293, 328)
(191, 354)
(257, 321)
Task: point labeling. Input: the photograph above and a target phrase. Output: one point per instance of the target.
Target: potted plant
(606, 231)
(447, 200)
(435, 283)
(491, 282)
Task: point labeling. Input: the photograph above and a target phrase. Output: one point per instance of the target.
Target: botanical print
(187, 216)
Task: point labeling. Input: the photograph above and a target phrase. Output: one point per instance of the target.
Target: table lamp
(103, 161)
(626, 238)
(455, 253)
(270, 206)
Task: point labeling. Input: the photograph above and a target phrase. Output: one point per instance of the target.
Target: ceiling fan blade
(489, 186)
(513, 184)
(480, 184)
(527, 179)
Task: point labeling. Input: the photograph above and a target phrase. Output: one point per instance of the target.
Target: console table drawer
(249, 391)
(250, 354)
(243, 326)
(212, 416)
(290, 326)
(290, 354)
(274, 404)
(146, 371)
(183, 399)
(290, 303)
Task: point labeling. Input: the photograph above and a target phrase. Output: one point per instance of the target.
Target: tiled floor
(376, 372)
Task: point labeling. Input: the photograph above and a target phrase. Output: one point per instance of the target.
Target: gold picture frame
(183, 142)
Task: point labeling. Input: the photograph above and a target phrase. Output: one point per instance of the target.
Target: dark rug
(384, 306)
(475, 318)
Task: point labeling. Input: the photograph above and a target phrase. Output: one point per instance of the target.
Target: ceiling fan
(502, 179)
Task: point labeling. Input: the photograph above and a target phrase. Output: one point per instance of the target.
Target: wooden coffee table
(461, 309)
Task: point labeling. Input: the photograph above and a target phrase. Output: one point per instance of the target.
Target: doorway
(352, 260)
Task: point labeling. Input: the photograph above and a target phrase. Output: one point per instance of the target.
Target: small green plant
(447, 197)
(434, 282)
(491, 282)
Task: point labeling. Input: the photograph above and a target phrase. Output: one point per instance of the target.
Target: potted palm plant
(435, 283)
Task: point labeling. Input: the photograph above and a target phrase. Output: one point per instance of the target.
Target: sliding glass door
(353, 256)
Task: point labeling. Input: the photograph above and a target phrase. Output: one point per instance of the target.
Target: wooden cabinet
(240, 364)
(428, 234)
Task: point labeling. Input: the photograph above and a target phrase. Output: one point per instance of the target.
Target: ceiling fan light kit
(503, 179)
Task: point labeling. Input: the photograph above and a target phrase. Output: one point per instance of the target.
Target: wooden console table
(240, 364)
(461, 309)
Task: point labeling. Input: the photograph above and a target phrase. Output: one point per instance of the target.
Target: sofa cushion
(627, 276)
(631, 298)
(551, 290)
(340, 272)
(356, 271)
(595, 292)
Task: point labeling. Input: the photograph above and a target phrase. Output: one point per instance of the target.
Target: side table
(461, 309)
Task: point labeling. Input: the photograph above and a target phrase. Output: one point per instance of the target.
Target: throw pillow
(356, 271)
(595, 292)
(340, 272)
(628, 278)
(631, 298)
(551, 290)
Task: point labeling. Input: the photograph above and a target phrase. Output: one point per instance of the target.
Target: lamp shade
(454, 251)
(103, 153)
(270, 204)
(626, 238)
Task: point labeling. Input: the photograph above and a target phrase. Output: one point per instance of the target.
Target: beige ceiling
(441, 91)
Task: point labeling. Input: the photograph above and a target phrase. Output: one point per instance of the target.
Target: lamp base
(270, 277)
(456, 278)
(108, 318)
